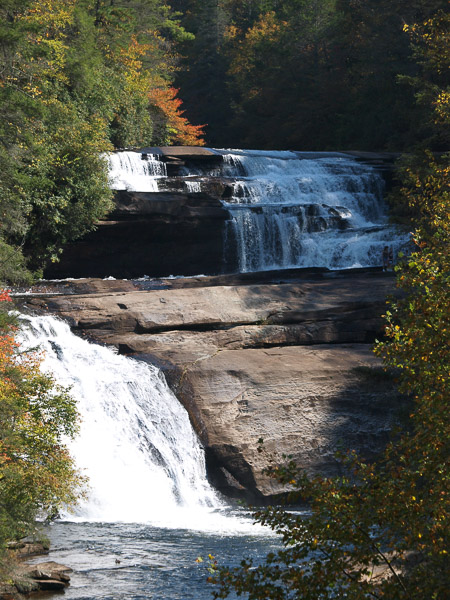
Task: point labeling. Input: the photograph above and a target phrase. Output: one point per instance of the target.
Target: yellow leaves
(266, 29)
(231, 32)
(130, 56)
(48, 22)
(54, 15)
(442, 106)
(33, 90)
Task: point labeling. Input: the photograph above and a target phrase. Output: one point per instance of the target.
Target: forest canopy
(303, 74)
(78, 78)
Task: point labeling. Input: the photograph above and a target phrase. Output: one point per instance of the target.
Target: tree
(280, 77)
(53, 176)
(319, 75)
(382, 529)
(78, 79)
(37, 474)
(169, 121)
(203, 76)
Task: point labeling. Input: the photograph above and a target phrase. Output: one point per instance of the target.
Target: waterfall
(136, 443)
(301, 210)
(286, 209)
(135, 172)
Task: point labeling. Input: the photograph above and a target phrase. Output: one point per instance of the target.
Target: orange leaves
(7, 343)
(179, 129)
(145, 68)
(4, 296)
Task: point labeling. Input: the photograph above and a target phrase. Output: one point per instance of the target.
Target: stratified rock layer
(286, 358)
(154, 233)
(178, 231)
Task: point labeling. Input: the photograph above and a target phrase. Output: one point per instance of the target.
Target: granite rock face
(286, 358)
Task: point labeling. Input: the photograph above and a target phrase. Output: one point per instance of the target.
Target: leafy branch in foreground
(37, 474)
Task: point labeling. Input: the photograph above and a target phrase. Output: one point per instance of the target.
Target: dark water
(155, 563)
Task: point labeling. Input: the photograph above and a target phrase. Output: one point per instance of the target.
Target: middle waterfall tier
(286, 209)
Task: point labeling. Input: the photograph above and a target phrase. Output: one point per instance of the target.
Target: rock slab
(288, 360)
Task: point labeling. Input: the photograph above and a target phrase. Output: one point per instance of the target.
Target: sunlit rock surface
(282, 356)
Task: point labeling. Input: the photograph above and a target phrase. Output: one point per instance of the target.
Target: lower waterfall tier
(136, 444)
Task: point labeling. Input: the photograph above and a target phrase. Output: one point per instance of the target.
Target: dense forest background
(303, 74)
(79, 78)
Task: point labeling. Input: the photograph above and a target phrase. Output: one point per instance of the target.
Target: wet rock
(49, 576)
(28, 549)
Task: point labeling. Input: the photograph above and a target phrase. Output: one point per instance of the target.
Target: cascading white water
(298, 210)
(136, 444)
(193, 186)
(135, 172)
(287, 209)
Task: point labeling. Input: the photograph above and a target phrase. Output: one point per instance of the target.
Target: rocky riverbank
(25, 580)
(283, 356)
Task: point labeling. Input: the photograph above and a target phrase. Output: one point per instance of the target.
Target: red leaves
(4, 296)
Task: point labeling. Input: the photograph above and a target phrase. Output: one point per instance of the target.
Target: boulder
(26, 549)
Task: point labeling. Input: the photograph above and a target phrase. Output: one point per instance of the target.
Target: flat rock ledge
(284, 356)
(30, 579)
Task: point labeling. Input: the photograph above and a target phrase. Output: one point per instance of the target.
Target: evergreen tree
(203, 77)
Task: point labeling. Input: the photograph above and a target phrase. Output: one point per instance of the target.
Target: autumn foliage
(180, 131)
(37, 474)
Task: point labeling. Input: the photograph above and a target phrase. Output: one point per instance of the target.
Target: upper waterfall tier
(285, 209)
(128, 170)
